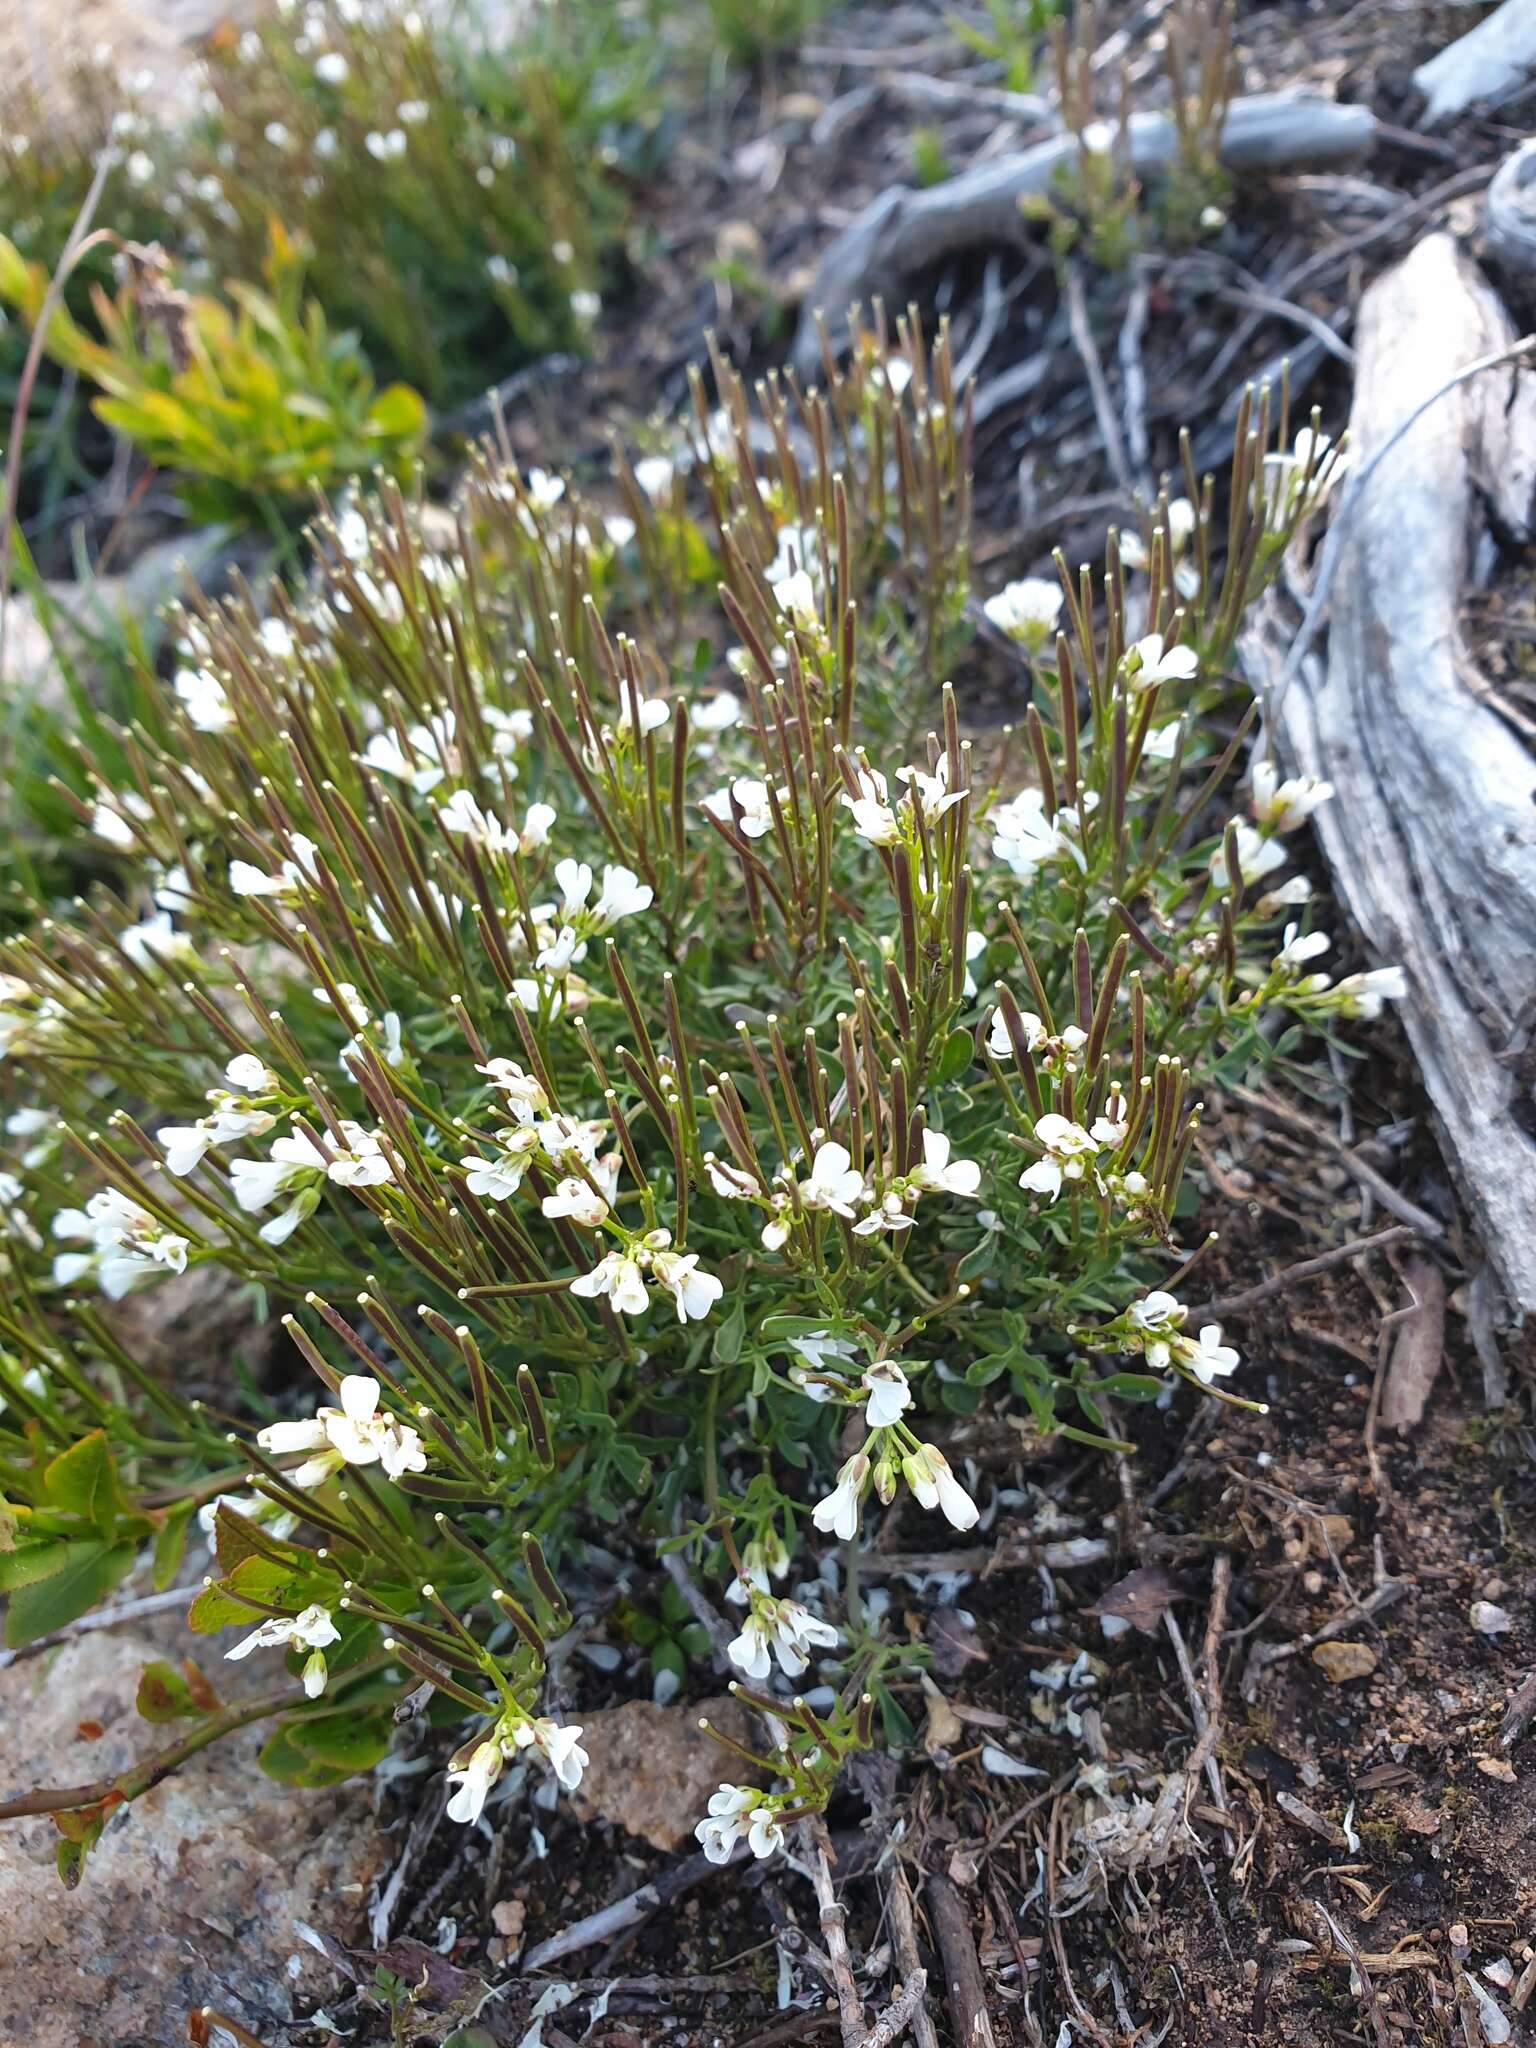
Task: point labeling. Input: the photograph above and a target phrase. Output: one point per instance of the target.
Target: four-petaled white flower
(499, 1177)
(926, 1471)
(1365, 995)
(753, 814)
(937, 1173)
(129, 1244)
(837, 1513)
(560, 1747)
(1027, 611)
(797, 599)
(737, 1813)
(1282, 806)
(207, 702)
(835, 1183)
(694, 1293)
(310, 1630)
(1151, 661)
(623, 894)
(873, 817)
(889, 1396)
(1299, 947)
(1024, 837)
(474, 1780)
(1257, 855)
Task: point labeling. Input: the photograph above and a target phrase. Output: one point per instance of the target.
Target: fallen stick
(904, 1942)
(892, 2023)
(1487, 61)
(1304, 1269)
(962, 1968)
(624, 1913)
(902, 230)
(834, 1931)
(1432, 834)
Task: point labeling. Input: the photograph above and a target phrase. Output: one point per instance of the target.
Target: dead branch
(1304, 1269)
(624, 1913)
(902, 230)
(1431, 837)
(1481, 65)
(1509, 212)
(893, 2022)
(962, 1967)
(834, 1929)
(904, 1942)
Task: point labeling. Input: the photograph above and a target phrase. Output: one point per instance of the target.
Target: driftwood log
(1509, 213)
(902, 230)
(1432, 833)
(1483, 64)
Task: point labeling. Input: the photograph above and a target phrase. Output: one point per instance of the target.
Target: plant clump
(576, 969)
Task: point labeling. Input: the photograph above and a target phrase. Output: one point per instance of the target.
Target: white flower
(331, 68)
(623, 894)
(795, 1631)
(1288, 896)
(732, 1183)
(1023, 837)
(245, 1071)
(837, 1513)
(208, 707)
(154, 938)
(873, 817)
(474, 1781)
(939, 1174)
(1000, 1044)
(835, 1183)
(693, 1292)
(1151, 662)
(525, 1097)
(536, 827)
(559, 1746)
(927, 1472)
(617, 1276)
(1209, 1359)
(717, 713)
(1300, 947)
(654, 474)
(499, 1177)
(817, 1348)
(764, 1835)
(1256, 856)
(1026, 611)
(889, 1395)
(652, 712)
(311, 1630)
(1364, 995)
(797, 599)
(384, 148)
(129, 1245)
(463, 817)
(749, 1650)
(1282, 806)
(752, 801)
(933, 790)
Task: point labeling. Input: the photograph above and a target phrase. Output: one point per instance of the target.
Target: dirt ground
(1332, 1613)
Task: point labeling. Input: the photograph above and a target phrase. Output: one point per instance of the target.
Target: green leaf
(399, 413)
(171, 1543)
(85, 1573)
(290, 1766)
(261, 1578)
(956, 1057)
(730, 1335)
(164, 1694)
(81, 1480)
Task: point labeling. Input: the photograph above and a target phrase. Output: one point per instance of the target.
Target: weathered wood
(902, 230)
(1487, 61)
(1432, 833)
(1509, 213)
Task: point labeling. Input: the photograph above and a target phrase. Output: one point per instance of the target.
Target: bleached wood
(902, 230)
(1481, 65)
(1509, 212)
(1432, 833)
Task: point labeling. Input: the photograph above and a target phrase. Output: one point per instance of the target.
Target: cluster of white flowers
(1313, 467)
(620, 1276)
(836, 1187)
(298, 1167)
(738, 1813)
(128, 1244)
(234, 1116)
(1027, 840)
(884, 822)
(778, 1628)
(474, 1769)
(359, 1432)
(1178, 525)
(926, 1471)
(1027, 611)
(1070, 1150)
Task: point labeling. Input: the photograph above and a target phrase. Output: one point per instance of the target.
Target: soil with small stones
(1362, 1849)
